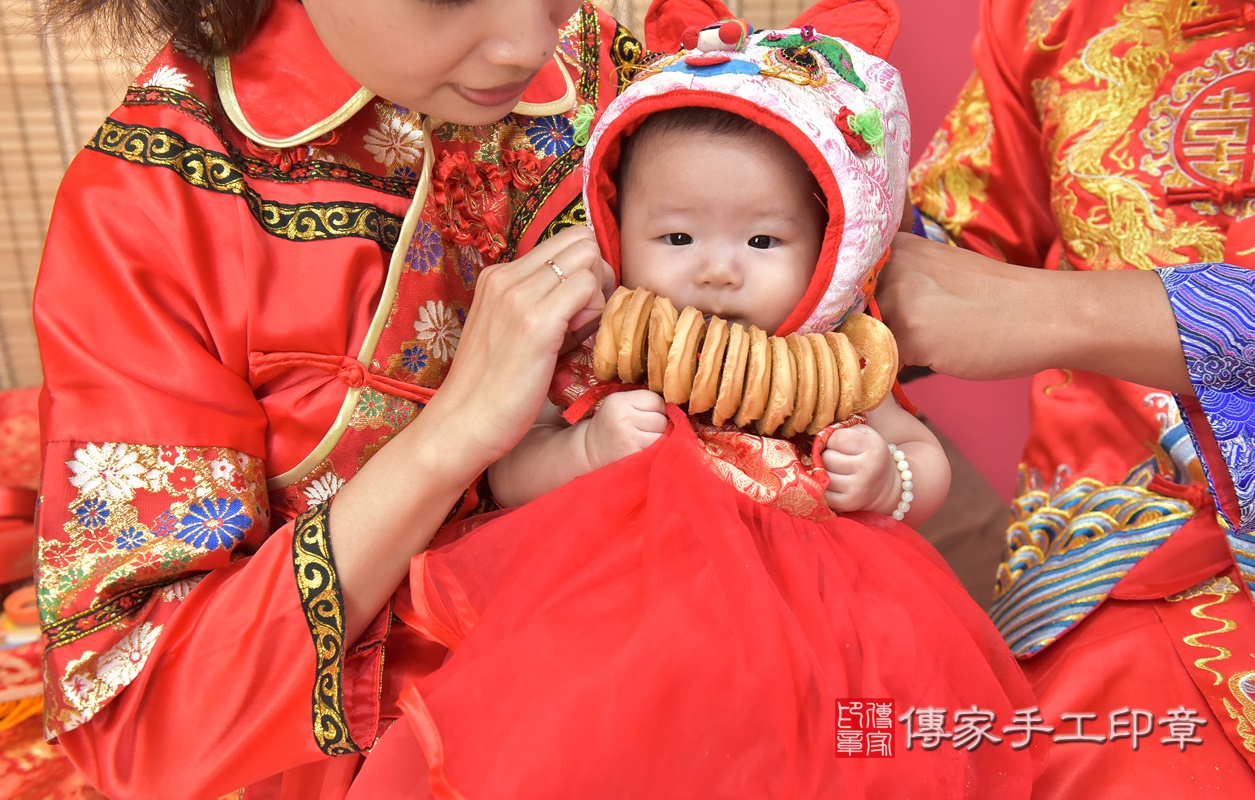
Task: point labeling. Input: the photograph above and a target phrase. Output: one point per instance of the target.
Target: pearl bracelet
(907, 480)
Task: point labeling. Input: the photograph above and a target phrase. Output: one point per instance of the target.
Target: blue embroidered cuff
(1214, 305)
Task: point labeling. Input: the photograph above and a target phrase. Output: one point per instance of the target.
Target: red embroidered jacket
(1110, 134)
(256, 274)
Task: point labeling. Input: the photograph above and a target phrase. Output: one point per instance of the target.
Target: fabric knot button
(282, 158)
(1225, 194)
(353, 373)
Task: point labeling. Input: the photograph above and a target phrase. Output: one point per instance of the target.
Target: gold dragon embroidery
(1090, 130)
(952, 176)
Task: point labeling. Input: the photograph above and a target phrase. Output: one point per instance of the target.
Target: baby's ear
(666, 21)
(871, 24)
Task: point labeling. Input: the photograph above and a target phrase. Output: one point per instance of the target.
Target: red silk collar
(284, 82)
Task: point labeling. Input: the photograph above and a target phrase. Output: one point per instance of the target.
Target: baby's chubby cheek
(633, 277)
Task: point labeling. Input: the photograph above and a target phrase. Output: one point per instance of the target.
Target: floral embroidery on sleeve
(127, 530)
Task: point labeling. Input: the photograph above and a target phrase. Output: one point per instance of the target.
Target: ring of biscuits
(794, 384)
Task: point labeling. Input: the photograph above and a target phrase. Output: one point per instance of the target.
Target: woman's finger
(569, 282)
(566, 252)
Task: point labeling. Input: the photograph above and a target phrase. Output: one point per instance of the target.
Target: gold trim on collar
(226, 93)
(396, 267)
(559, 106)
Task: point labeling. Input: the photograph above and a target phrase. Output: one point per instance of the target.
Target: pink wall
(932, 53)
(988, 421)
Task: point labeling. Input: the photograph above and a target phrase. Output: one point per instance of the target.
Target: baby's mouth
(731, 319)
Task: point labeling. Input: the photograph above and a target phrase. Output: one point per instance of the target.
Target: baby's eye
(678, 239)
(762, 242)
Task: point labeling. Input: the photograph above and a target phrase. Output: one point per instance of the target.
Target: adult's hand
(517, 325)
(958, 312)
(962, 314)
(492, 394)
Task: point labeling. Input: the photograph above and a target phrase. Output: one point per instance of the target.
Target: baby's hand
(626, 423)
(861, 471)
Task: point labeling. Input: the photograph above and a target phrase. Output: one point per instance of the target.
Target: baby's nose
(720, 271)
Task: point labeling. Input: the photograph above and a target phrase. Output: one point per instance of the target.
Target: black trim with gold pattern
(102, 615)
(573, 214)
(323, 604)
(300, 172)
(625, 53)
(628, 55)
(217, 172)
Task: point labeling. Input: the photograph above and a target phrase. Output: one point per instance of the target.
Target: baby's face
(728, 224)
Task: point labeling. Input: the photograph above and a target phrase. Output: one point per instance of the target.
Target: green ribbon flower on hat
(868, 125)
(583, 122)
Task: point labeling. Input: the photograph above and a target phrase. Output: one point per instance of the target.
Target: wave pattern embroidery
(1066, 552)
(1215, 322)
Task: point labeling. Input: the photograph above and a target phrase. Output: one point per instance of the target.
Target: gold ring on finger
(556, 271)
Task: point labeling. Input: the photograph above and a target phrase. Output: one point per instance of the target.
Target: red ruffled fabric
(647, 628)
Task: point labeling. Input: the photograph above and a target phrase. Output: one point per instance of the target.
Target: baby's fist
(861, 471)
(626, 423)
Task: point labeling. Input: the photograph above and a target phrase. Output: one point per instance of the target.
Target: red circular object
(21, 608)
(707, 59)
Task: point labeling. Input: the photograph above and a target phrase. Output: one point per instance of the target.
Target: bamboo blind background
(54, 93)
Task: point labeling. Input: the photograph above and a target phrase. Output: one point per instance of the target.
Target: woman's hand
(494, 390)
(514, 331)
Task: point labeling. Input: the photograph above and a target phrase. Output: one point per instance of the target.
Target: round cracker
(783, 391)
(757, 379)
(606, 344)
(807, 385)
(849, 377)
(709, 365)
(732, 381)
(662, 321)
(878, 351)
(826, 378)
(632, 336)
(677, 379)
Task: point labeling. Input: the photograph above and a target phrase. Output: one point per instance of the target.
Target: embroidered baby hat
(833, 99)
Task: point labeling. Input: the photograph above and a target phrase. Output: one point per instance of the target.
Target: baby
(676, 607)
(717, 212)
